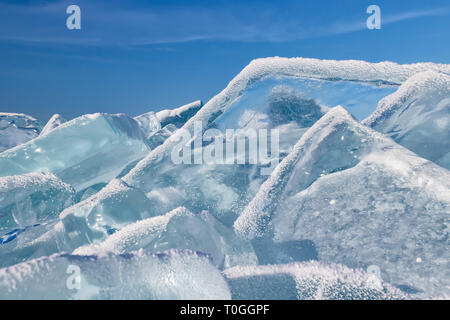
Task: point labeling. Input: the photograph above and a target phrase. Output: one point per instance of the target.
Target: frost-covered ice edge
(100, 194)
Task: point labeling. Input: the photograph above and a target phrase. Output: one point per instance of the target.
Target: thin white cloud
(415, 14)
(161, 25)
(342, 27)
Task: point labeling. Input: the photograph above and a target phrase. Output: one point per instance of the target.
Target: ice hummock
(82, 152)
(417, 116)
(307, 281)
(136, 275)
(363, 200)
(226, 190)
(17, 128)
(32, 198)
(55, 121)
(284, 98)
(179, 229)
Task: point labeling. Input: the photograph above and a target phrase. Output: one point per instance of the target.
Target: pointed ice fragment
(336, 142)
(417, 116)
(55, 121)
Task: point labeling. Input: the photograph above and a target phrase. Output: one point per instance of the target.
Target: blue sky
(133, 56)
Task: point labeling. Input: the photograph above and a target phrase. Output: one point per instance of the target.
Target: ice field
(354, 205)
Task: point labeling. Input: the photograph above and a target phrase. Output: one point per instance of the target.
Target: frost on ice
(180, 229)
(307, 281)
(32, 198)
(136, 275)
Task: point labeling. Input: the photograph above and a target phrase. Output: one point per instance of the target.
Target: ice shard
(149, 123)
(161, 125)
(82, 152)
(55, 121)
(417, 116)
